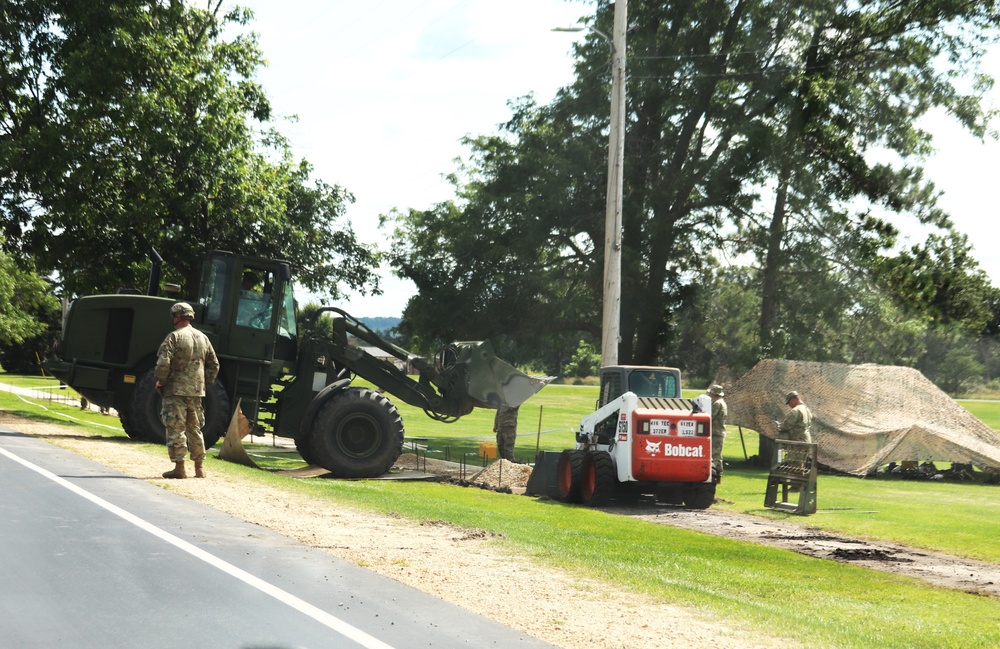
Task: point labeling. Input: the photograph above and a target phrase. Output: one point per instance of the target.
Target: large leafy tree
(857, 77)
(940, 283)
(507, 260)
(129, 124)
(26, 307)
(750, 128)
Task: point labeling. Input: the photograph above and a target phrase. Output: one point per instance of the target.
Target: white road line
(321, 616)
(60, 414)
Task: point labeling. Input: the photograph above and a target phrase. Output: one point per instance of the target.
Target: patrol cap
(791, 395)
(182, 310)
(716, 390)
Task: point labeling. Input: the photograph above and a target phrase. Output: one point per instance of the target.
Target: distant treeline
(380, 324)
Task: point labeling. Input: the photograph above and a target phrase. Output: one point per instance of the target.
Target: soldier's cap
(182, 310)
(716, 390)
(791, 395)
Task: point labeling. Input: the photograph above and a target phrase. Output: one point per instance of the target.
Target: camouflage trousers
(183, 418)
(717, 440)
(795, 436)
(505, 442)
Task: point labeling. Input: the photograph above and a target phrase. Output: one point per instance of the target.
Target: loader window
(653, 383)
(213, 290)
(286, 344)
(611, 387)
(286, 319)
(254, 309)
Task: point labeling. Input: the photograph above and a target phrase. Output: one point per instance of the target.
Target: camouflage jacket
(795, 425)
(185, 363)
(719, 413)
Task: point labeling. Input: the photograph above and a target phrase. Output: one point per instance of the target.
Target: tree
(750, 130)
(585, 362)
(128, 124)
(505, 261)
(940, 283)
(27, 307)
(711, 329)
(859, 77)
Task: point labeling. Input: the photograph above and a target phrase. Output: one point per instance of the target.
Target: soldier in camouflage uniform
(505, 426)
(719, 413)
(795, 425)
(185, 364)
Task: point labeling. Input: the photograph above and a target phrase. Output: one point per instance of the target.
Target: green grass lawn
(952, 517)
(817, 602)
(548, 422)
(986, 411)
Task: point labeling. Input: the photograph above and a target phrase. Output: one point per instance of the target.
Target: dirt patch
(865, 554)
(939, 569)
(969, 575)
(466, 567)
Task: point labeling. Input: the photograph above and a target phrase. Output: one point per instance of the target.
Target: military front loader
(292, 385)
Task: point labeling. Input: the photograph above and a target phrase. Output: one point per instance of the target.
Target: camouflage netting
(864, 416)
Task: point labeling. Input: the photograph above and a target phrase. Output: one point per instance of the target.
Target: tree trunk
(773, 262)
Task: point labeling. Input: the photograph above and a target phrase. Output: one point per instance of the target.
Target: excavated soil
(468, 568)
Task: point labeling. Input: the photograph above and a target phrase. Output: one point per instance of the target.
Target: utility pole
(612, 297)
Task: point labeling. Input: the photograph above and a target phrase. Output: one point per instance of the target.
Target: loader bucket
(492, 382)
(232, 446)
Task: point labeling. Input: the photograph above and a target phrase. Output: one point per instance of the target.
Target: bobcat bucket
(489, 381)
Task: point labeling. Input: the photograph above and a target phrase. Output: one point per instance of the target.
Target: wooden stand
(793, 470)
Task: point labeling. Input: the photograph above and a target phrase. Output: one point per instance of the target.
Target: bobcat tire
(699, 496)
(598, 479)
(356, 433)
(569, 475)
(144, 415)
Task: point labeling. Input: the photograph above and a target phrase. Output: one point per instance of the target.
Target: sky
(382, 92)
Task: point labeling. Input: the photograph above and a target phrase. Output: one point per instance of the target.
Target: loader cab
(249, 305)
(644, 381)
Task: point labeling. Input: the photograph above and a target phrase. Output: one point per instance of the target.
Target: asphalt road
(93, 559)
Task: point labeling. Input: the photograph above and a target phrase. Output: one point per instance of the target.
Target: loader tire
(218, 413)
(124, 416)
(305, 451)
(569, 475)
(145, 412)
(599, 479)
(699, 496)
(357, 433)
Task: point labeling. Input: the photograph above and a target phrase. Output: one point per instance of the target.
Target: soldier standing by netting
(505, 426)
(719, 413)
(795, 425)
(185, 364)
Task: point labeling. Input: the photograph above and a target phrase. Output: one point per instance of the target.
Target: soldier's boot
(199, 471)
(178, 471)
